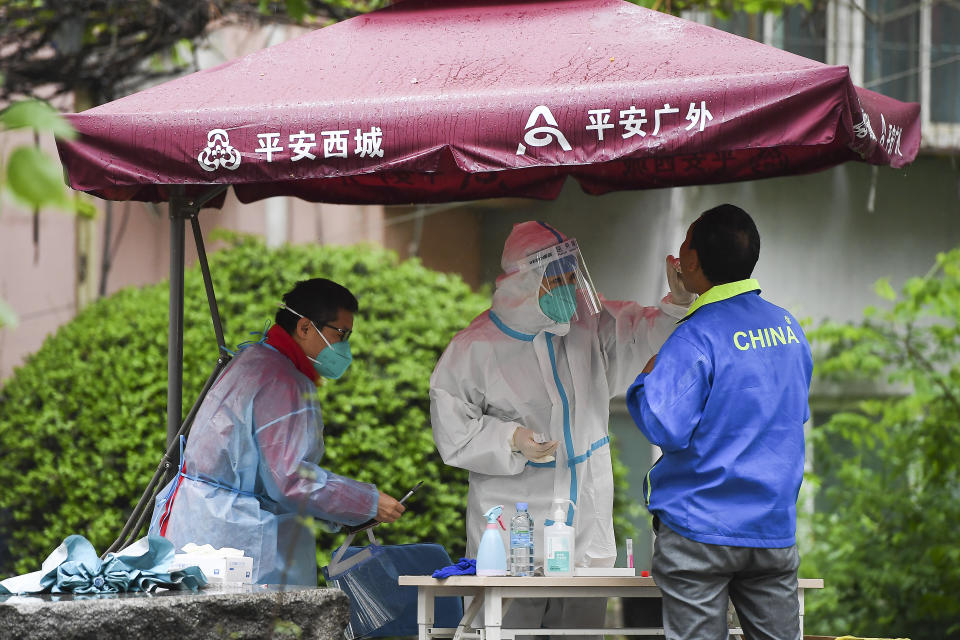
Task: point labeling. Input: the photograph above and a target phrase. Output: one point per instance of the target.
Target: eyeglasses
(343, 333)
(549, 283)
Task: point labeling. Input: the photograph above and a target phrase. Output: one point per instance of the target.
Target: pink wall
(41, 290)
(36, 281)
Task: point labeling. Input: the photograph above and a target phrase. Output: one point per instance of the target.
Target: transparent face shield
(566, 291)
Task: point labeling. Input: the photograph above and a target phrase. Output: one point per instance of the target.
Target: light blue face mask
(559, 303)
(334, 360)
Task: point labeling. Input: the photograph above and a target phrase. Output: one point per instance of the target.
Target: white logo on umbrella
(543, 135)
(218, 152)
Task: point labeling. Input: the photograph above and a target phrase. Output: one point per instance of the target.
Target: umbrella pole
(208, 284)
(181, 209)
(179, 212)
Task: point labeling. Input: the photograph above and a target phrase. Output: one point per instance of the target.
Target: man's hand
(650, 363)
(678, 293)
(388, 509)
(526, 441)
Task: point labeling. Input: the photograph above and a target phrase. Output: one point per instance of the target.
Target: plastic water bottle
(521, 542)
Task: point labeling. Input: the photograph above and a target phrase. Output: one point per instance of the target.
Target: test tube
(630, 553)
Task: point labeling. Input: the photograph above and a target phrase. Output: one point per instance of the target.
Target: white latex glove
(534, 446)
(678, 293)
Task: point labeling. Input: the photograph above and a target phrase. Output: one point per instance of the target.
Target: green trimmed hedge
(82, 422)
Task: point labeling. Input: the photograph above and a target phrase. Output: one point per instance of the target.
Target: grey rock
(254, 612)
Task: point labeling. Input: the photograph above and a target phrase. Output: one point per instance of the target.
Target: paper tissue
(224, 565)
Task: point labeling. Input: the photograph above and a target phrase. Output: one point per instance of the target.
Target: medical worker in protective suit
(520, 398)
(250, 471)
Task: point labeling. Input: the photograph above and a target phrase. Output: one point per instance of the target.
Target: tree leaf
(83, 207)
(35, 179)
(38, 115)
(296, 9)
(8, 318)
(884, 290)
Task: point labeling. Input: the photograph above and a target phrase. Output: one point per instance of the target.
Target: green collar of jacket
(720, 292)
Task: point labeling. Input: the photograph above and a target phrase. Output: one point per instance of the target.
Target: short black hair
(318, 299)
(727, 243)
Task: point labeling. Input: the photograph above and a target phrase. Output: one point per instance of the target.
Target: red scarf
(279, 339)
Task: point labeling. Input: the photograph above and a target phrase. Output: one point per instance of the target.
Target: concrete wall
(445, 238)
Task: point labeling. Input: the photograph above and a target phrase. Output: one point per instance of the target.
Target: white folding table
(495, 593)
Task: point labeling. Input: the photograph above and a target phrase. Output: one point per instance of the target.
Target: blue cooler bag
(368, 575)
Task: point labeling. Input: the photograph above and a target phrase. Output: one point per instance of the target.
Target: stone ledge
(255, 612)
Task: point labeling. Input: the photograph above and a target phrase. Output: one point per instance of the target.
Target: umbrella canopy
(439, 100)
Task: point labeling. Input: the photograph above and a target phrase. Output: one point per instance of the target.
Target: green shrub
(83, 421)
(888, 468)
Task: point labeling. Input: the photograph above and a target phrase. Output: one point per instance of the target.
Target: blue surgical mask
(559, 303)
(334, 360)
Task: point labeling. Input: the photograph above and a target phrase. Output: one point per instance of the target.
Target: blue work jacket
(726, 402)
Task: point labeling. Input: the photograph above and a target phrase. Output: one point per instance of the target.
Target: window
(796, 29)
(905, 49)
(800, 31)
(892, 49)
(945, 61)
(740, 23)
(911, 51)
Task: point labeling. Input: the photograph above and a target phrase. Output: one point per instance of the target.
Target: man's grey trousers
(697, 579)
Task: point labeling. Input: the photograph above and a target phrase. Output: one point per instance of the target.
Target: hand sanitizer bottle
(558, 543)
(491, 556)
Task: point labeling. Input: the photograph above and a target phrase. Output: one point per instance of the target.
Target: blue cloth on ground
(466, 567)
(74, 567)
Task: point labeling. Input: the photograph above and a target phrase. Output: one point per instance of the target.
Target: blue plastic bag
(387, 562)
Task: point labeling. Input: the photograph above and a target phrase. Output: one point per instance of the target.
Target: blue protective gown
(250, 472)
(726, 402)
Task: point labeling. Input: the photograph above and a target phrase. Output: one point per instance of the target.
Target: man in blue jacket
(726, 399)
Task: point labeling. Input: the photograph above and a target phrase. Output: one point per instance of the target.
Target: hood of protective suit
(516, 300)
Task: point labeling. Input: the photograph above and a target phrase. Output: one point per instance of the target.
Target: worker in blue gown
(250, 471)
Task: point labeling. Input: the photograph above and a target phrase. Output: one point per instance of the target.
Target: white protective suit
(513, 366)
(250, 471)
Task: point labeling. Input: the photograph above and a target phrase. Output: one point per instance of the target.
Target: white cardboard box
(217, 569)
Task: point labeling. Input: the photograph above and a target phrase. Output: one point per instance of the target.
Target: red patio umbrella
(447, 100)
(429, 101)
